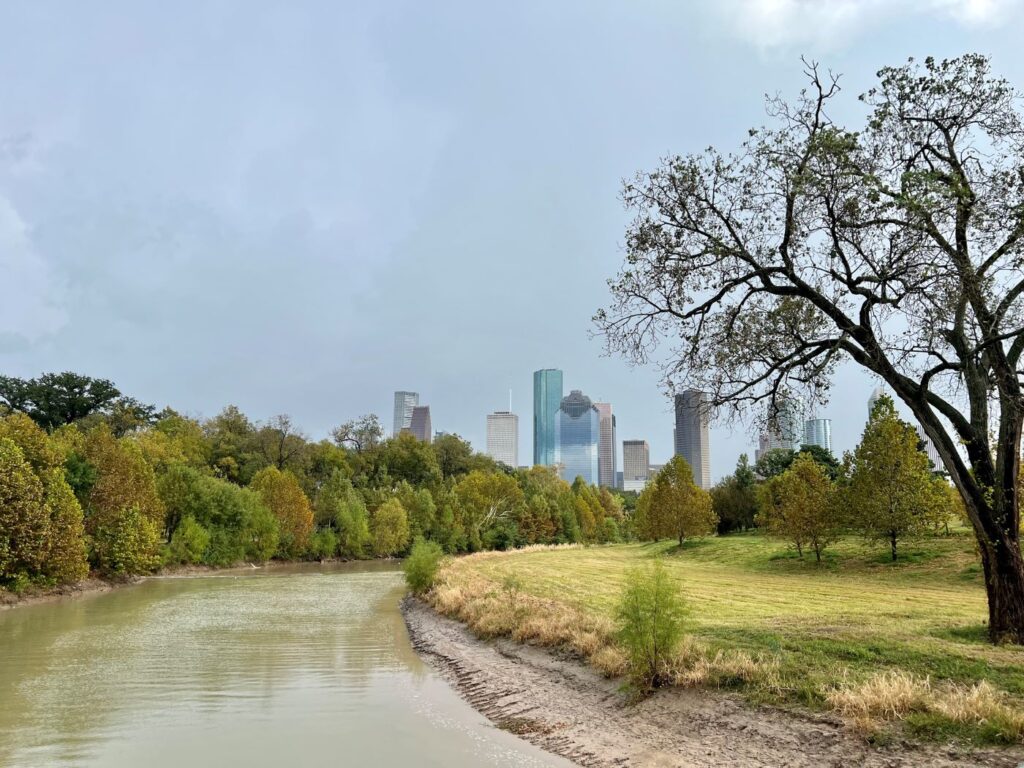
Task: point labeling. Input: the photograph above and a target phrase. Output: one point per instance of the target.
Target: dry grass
(897, 695)
(878, 643)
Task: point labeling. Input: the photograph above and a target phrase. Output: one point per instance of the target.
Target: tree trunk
(892, 544)
(1004, 582)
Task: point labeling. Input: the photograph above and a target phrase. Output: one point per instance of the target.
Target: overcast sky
(301, 207)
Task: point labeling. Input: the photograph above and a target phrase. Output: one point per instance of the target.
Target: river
(284, 668)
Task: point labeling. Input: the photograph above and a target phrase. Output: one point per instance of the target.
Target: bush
(650, 615)
(421, 565)
(128, 544)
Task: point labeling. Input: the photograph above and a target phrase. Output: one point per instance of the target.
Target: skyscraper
(419, 423)
(547, 397)
(691, 434)
(786, 432)
(404, 403)
(818, 432)
(577, 432)
(877, 393)
(606, 466)
(636, 464)
(503, 437)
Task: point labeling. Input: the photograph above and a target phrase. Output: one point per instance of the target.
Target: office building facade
(636, 465)
(547, 398)
(404, 403)
(818, 432)
(503, 437)
(606, 463)
(577, 433)
(692, 439)
(419, 423)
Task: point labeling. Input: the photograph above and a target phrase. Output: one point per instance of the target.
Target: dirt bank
(567, 708)
(84, 587)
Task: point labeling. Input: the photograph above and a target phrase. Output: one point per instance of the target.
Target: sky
(301, 207)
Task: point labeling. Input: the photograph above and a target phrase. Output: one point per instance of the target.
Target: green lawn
(855, 614)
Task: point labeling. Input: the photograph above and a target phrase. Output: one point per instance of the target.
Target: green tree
(189, 543)
(66, 555)
(390, 529)
(284, 497)
(419, 506)
(127, 544)
(406, 458)
(54, 399)
(798, 506)
(340, 505)
(894, 244)
(891, 493)
(650, 614)
(24, 524)
(673, 505)
(485, 500)
(359, 434)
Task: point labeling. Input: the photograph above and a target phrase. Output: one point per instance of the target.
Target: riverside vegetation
(91, 480)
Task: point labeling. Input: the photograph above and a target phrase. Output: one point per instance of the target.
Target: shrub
(421, 565)
(650, 615)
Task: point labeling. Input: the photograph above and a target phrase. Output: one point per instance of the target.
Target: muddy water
(280, 668)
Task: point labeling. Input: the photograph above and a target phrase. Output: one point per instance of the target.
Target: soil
(33, 595)
(563, 706)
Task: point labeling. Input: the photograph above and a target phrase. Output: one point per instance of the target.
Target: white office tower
(404, 403)
(636, 465)
(875, 395)
(818, 432)
(503, 437)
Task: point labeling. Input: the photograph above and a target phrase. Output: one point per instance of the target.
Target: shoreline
(567, 708)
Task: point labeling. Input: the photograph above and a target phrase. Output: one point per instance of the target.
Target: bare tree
(280, 442)
(897, 246)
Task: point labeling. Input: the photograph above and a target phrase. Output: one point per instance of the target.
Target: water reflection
(309, 665)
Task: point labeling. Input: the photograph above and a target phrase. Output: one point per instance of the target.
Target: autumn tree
(798, 506)
(389, 528)
(672, 506)
(891, 493)
(896, 245)
(359, 434)
(23, 521)
(284, 497)
(485, 500)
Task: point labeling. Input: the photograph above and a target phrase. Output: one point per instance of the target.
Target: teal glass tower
(547, 397)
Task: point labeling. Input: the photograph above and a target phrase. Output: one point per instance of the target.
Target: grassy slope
(854, 615)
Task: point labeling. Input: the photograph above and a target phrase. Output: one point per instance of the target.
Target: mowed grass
(853, 620)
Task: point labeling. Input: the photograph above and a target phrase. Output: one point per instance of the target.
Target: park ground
(895, 650)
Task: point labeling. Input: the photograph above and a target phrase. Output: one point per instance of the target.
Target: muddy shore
(568, 709)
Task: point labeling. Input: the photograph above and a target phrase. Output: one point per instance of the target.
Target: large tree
(898, 245)
(55, 399)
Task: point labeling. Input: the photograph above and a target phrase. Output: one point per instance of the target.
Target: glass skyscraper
(818, 432)
(691, 437)
(547, 396)
(404, 403)
(577, 432)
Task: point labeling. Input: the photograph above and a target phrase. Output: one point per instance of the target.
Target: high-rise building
(818, 432)
(547, 397)
(577, 432)
(404, 403)
(786, 432)
(503, 437)
(876, 394)
(606, 464)
(636, 464)
(419, 423)
(691, 434)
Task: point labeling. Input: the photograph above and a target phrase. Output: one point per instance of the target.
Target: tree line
(886, 489)
(92, 480)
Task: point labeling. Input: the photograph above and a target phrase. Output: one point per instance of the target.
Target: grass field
(897, 630)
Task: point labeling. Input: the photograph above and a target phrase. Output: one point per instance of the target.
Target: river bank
(569, 709)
